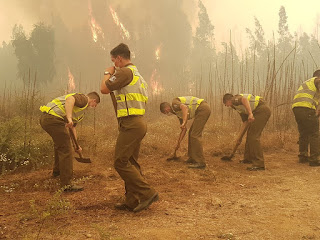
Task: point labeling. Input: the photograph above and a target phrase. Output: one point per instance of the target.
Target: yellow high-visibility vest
(253, 102)
(132, 99)
(57, 108)
(192, 103)
(306, 95)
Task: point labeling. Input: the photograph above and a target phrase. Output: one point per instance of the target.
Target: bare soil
(223, 201)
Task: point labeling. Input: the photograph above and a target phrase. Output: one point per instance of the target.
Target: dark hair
(94, 95)
(121, 50)
(163, 106)
(227, 97)
(316, 73)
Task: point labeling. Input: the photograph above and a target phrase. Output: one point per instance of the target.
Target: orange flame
(95, 28)
(71, 84)
(154, 83)
(125, 32)
(133, 54)
(157, 52)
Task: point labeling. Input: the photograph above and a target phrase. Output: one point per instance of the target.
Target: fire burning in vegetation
(71, 83)
(124, 31)
(157, 52)
(154, 83)
(95, 27)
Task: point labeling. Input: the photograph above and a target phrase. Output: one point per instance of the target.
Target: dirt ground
(224, 201)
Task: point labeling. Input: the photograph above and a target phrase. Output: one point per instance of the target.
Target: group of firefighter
(129, 94)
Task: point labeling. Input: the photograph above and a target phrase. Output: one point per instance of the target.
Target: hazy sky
(236, 15)
(225, 15)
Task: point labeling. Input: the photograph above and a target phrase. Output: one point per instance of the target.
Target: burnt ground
(224, 201)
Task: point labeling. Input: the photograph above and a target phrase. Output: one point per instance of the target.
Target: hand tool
(80, 158)
(229, 157)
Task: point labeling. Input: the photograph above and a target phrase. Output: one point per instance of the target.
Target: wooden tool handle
(74, 140)
(240, 136)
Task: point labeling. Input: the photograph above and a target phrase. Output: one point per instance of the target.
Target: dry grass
(194, 204)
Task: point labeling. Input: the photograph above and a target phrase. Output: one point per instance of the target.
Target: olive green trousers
(195, 149)
(308, 126)
(63, 157)
(253, 149)
(132, 130)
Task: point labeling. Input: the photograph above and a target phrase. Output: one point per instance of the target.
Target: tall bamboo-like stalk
(246, 83)
(26, 110)
(3, 106)
(225, 68)
(253, 68)
(313, 59)
(32, 100)
(210, 93)
(232, 67)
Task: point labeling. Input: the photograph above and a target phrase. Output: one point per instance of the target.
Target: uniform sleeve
(120, 79)
(316, 82)
(81, 100)
(176, 104)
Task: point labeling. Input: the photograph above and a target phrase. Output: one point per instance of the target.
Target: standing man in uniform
(186, 108)
(130, 93)
(60, 114)
(306, 111)
(255, 112)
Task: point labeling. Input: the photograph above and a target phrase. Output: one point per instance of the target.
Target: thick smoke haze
(225, 15)
(175, 42)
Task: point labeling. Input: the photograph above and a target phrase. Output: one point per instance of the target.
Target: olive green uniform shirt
(120, 79)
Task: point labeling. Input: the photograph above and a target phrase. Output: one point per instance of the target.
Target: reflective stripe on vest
(192, 103)
(253, 102)
(57, 108)
(306, 95)
(132, 99)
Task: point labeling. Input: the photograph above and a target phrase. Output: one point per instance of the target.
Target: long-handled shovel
(229, 157)
(80, 158)
(175, 157)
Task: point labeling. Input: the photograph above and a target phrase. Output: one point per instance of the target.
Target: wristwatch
(106, 73)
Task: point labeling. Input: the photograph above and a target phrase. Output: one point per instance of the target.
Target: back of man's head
(316, 73)
(163, 106)
(227, 97)
(94, 95)
(121, 50)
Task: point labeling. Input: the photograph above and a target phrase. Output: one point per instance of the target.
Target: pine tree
(285, 38)
(35, 53)
(203, 52)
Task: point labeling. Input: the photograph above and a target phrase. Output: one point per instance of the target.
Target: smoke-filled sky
(226, 16)
(235, 15)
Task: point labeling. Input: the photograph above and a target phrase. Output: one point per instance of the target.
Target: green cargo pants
(308, 126)
(63, 157)
(195, 149)
(132, 130)
(253, 150)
